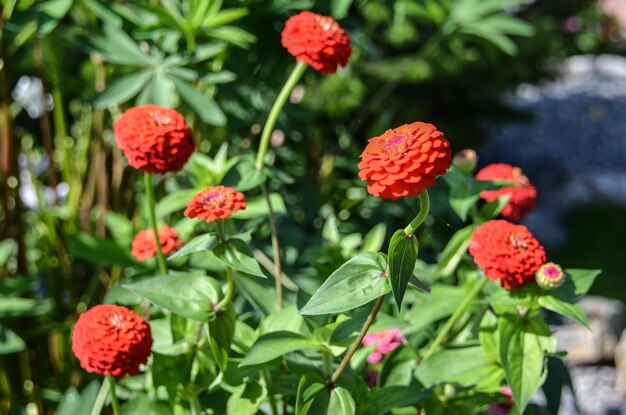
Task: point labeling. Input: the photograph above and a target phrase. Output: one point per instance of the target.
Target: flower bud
(550, 276)
(465, 161)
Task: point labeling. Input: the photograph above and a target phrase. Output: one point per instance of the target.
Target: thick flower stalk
(111, 340)
(215, 202)
(154, 139)
(144, 244)
(404, 161)
(317, 41)
(507, 252)
(522, 194)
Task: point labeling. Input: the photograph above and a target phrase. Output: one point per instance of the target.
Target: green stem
(221, 230)
(265, 375)
(421, 217)
(194, 405)
(102, 395)
(357, 342)
(328, 362)
(278, 268)
(455, 317)
(293, 79)
(153, 222)
(230, 290)
(114, 402)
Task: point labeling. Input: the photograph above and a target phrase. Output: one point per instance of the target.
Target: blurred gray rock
(598, 345)
(620, 364)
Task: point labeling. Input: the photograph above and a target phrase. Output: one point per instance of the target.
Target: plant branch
(458, 313)
(357, 342)
(153, 222)
(278, 269)
(114, 402)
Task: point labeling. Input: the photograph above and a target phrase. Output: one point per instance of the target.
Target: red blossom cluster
(317, 41)
(144, 244)
(111, 340)
(507, 252)
(404, 161)
(154, 139)
(215, 202)
(522, 194)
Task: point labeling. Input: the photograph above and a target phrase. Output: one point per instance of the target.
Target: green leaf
(122, 90)
(402, 256)
(568, 309)
(188, 295)
(310, 389)
(375, 238)
(225, 17)
(117, 47)
(247, 398)
(523, 344)
(200, 243)
(236, 253)
(257, 207)
(341, 402)
(120, 227)
(245, 176)
(582, 278)
(383, 400)
(159, 91)
(142, 404)
(453, 253)
(339, 8)
(462, 201)
(276, 344)
(21, 307)
(10, 342)
(173, 202)
(221, 332)
(8, 247)
(171, 371)
(103, 252)
(439, 303)
(463, 365)
(492, 209)
(357, 282)
(75, 403)
(205, 107)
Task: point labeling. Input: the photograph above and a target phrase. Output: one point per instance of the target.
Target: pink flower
(386, 341)
(503, 407)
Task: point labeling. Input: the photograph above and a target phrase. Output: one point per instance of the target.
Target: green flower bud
(550, 276)
(465, 161)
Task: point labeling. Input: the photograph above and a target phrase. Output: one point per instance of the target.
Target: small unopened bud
(549, 276)
(465, 161)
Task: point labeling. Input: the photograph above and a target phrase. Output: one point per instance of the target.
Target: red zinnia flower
(317, 41)
(154, 139)
(404, 161)
(522, 193)
(507, 252)
(144, 244)
(111, 340)
(215, 202)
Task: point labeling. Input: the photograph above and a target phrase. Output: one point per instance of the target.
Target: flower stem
(293, 79)
(102, 394)
(265, 375)
(153, 222)
(114, 402)
(421, 217)
(458, 313)
(230, 290)
(357, 342)
(278, 268)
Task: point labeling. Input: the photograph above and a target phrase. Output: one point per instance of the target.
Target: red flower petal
(522, 194)
(215, 202)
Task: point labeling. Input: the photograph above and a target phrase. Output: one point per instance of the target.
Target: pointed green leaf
(276, 344)
(10, 342)
(523, 344)
(237, 254)
(341, 402)
(247, 398)
(122, 89)
(383, 400)
(221, 332)
(173, 202)
(402, 257)
(188, 295)
(582, 278)
(357, 282)
(565, 308)
(205, 107)
(200, 243)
